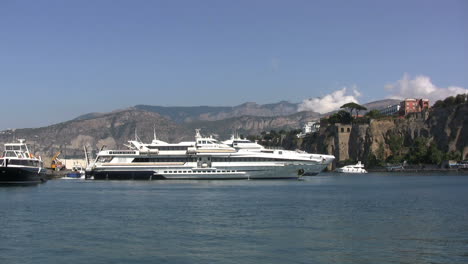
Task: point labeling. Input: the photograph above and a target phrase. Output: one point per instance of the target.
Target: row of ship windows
(31, 163)
(210, 171)
(168, 148)
(12, 148)
(189, 159)
(214, 159)
(122, 152)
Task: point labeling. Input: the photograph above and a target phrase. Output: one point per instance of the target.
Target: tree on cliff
(451, 101)
(434, 155)
(340, 117)
(418, 151)
(396, 144)
(461, 98)
(374, 114)
(353, 107)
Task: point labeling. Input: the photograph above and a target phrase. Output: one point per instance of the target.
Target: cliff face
(446, 127)
(449, 126)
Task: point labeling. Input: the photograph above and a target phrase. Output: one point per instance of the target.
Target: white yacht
(238, 143)
(357, 168)
(204, 158)
(19, 166)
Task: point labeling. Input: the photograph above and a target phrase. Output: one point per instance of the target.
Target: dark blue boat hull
(20, 175)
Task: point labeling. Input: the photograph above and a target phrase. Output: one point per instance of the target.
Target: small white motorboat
(357, 168)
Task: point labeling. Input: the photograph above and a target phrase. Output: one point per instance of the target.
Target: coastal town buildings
(390, 110)
(407, 106)
(410, 105)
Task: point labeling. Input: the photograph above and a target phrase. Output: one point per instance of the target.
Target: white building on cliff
(309, 128)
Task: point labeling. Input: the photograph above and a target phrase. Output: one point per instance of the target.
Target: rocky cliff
(446, 127)
(449, 127)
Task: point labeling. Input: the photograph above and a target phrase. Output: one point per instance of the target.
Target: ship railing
(274, 148)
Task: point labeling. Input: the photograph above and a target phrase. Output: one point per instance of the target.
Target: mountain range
(183, 114)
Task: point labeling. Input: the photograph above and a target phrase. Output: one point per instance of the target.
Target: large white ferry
(204, 158)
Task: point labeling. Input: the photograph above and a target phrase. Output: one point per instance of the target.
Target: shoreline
(416, 170)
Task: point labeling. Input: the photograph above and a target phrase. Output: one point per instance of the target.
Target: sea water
(331, 218)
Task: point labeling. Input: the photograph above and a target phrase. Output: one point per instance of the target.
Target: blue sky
(61, 59)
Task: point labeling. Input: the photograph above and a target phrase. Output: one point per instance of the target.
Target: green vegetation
(342, 117)
(374, 114)
(434, 155)
(284, 139)
(451, 101)
(396, 145)
(421, 151)
(418, 151)
(373, 161)
(353, 107)
(346, 116)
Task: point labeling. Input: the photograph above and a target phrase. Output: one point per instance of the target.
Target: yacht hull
(20, 175)
(291, 171)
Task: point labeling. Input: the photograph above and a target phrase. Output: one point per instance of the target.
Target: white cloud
(421, 87)
(329, 102)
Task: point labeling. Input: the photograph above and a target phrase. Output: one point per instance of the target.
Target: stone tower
(343, 131)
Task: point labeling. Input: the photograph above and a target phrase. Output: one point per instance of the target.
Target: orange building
(410, 105)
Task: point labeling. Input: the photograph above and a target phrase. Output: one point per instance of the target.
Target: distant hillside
(183, 114)
(251, 125)
(214, 113)
(381, 104)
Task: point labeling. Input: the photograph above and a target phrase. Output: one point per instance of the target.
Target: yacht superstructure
(239, 143)
(204, 158)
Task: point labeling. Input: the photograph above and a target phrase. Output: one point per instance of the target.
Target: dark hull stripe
(19, 175)
(149, 175)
